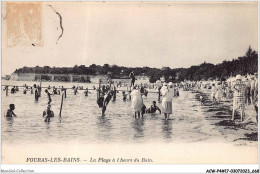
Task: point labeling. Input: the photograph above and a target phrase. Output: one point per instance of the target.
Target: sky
(136, 34)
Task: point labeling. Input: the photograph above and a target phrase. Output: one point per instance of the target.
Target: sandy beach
(241, 133)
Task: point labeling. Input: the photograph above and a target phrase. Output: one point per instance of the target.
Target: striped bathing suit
(239, 95)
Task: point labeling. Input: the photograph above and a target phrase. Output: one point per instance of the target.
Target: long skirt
(137, 104)
(167, 107)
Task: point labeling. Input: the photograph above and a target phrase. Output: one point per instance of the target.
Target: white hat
(238, 77)
(164, 84)
(170, 84)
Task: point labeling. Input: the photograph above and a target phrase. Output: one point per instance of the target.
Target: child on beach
(10, 112)
(153, 108)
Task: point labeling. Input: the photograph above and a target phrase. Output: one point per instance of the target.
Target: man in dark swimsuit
(36, 94)
(49, 96)
(132, 76)
(104, 100)
(153, 108)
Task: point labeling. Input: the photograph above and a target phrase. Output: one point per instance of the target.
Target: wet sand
(219, 114)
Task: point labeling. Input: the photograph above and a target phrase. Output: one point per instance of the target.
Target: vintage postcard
(129, 82)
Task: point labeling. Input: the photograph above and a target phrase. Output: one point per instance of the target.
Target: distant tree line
(247, 64)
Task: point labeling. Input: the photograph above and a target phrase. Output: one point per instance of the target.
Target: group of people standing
(243, 91)
(167, 93)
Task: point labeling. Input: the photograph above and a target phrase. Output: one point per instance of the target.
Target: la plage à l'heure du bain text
(121, 160)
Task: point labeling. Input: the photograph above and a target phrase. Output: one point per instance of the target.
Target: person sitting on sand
(10, 112)
(239, 97)
(48, 113)
(153, 108)
(49, 96)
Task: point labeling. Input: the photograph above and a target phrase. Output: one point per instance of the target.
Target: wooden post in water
(65, 93)
(40, 90)
(129, 92)
(98, 92)
(6, 88)
(159, 95)
(61, 104)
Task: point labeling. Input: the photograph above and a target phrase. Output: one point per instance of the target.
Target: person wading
(167, 96)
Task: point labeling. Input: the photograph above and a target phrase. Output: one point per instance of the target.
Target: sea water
(81, 120)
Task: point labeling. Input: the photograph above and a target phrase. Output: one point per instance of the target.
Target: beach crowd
(242, 90)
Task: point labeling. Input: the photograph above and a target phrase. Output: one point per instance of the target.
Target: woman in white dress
(137, 101)
(213, 92)
(219, 92)
(167, 96)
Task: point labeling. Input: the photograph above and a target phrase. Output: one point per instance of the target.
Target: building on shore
(50, 77)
